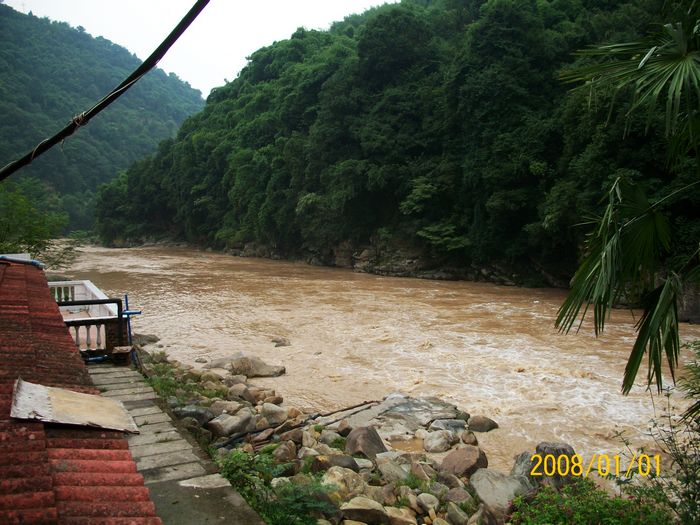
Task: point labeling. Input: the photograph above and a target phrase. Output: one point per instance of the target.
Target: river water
(489, 349)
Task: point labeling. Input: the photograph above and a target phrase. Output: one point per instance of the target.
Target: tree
(627, 252)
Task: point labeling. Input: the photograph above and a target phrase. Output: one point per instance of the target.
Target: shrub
(286, 504)
(582, 503)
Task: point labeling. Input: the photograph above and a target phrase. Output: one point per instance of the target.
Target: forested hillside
(434, 129)
(49, 72)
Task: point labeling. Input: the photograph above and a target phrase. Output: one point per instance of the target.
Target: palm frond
(657, 335)
(667, 62)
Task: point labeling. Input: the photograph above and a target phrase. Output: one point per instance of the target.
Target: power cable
(83, 118)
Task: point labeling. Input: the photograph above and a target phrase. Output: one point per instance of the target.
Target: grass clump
(285, 504)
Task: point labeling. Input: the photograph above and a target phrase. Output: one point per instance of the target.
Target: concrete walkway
(181, 478)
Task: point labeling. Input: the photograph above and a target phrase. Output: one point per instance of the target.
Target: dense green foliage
(29, 217)
(582, 503)
(294, 503)
(50, 72)
(440, 125)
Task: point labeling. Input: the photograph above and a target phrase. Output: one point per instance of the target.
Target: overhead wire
(83, 118)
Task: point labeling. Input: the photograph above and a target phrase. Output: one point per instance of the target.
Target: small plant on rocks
(284, 504)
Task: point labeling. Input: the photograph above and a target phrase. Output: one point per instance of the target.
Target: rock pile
(441, 478)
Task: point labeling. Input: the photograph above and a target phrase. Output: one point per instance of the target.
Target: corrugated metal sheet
(58, 405)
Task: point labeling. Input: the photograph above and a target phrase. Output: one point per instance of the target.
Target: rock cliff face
(401, 261)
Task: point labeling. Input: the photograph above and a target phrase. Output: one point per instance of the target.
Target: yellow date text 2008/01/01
(602, 464)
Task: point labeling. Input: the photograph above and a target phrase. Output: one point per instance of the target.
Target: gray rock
(427, 501)
(391, 470)
(285, 452)
(450, 480)
(201, 360)
(305, 452)
(401, 516)
(201, 414)
(469, 438)
(222, 362)
(481, 424)
(231, 380)
(281, 341)
(423, 410)
(226, 425)
(240, 391)
(364, 510)
(457, 426)
(456, 515)
(438, 490)
(344, 428)
(522, 467)
(229, 407)
(422, 471)
(296, 435)
(464, 461)
(348, 482)
(254, 367)
(458, 495)
(324, 462)
(485, 516)
(365, 441)
(274, 414)
(546, 449)
(439, 441)
(497, 490)
(363, 463)
(329, 437)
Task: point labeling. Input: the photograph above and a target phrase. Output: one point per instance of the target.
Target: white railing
(87, 324)
(81, 291)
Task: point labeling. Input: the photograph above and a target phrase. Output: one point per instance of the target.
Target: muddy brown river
(489, 349)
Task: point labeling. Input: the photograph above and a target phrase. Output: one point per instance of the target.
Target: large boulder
(254, 367)
(481, 424)
(464, 461)
(454, 425)
(364, 510)
(219, 407)
(200, 414)
(497, 490)
(226, 425)
(439, 441)
(401, 516)
(392, 471)
(348, 483)
(548, 450)
(365, 441)
(274, 414)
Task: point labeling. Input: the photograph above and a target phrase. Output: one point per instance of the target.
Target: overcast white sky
(215, 47)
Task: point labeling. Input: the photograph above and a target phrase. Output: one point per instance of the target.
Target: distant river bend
(489, 349)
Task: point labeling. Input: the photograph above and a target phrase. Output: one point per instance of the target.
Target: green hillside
(434, 132)
(50, 72)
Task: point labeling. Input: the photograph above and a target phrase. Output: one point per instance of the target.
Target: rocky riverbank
(400, 460)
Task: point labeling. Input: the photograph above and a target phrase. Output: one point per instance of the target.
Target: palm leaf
(623, 256)
(657, 335)
(667, 62)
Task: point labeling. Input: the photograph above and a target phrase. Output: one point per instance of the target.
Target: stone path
(181, 478)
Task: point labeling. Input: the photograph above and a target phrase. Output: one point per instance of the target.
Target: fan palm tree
(625, 251)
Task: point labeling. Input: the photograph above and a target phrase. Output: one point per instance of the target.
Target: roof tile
(56, 473)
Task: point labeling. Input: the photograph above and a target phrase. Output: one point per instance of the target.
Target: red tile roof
(55, 473)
